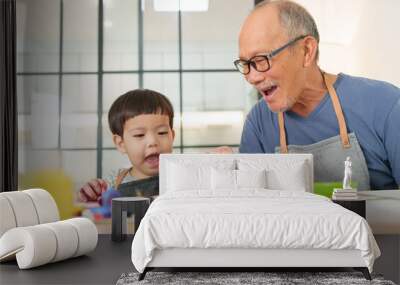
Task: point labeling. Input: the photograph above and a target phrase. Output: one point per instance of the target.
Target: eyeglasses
(261, 63)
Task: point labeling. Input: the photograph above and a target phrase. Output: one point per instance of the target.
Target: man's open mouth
(269, 92)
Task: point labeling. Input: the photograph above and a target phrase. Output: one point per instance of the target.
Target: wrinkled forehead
(261, 32)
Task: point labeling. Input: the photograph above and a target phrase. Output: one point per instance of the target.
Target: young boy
(141, 122)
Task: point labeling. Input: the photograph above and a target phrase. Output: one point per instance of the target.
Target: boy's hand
(92, 190)
(222, 150)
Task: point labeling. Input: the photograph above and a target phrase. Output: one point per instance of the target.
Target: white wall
(359, 37)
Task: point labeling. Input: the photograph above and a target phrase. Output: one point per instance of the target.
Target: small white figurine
(347, 174)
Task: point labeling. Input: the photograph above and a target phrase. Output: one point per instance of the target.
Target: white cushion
(251, 178)
(295, 179)
(282, 163)
(33, 246)
(46, 207)
(40, 244)
(236, 179)
(87, 234)
(184, 175)
(67, 239)
(26, 208)
(23, 208)
(7, 216)
(223, 179)
(282, 174)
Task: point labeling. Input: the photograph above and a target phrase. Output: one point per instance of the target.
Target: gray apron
(147, 187)
(330, 154)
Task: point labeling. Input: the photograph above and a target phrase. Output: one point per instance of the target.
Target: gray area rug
(229, 278)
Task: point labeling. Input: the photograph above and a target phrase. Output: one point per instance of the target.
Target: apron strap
(282, 133)
(329, 80)
(121, 175)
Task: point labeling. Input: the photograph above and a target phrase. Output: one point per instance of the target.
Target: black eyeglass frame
(251, 63)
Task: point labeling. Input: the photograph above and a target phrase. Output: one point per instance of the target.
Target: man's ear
(310, 51)
(173, 134)
(119, 143)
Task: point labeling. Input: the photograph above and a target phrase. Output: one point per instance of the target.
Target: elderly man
(305, 110)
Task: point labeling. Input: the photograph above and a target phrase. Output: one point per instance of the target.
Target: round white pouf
(87, 234)
(33, 246)
(6, 215)
(45, 205)
(67, 240)
(23, 208)
(40, 244)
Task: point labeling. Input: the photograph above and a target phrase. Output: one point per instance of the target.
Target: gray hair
(294, 18)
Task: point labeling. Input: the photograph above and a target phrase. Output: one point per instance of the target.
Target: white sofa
(31, 233)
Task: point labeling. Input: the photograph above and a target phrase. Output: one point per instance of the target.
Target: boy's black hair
(138, 102)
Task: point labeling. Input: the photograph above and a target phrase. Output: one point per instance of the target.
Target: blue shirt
(371, 109)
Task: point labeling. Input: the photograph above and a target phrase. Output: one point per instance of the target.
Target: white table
(383, 210)
(383, 215)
